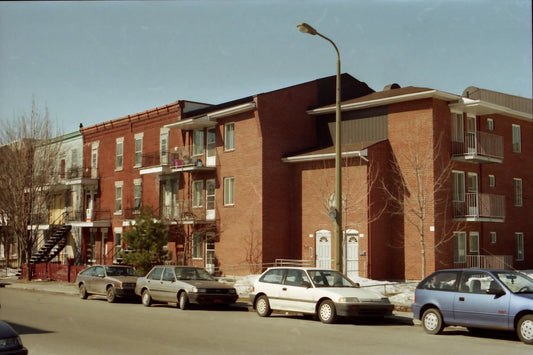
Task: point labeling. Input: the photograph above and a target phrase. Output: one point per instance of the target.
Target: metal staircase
(53, 246)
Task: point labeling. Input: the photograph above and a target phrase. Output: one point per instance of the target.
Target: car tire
(83, 292)
(262, 306)
(111, 294)
(183, 301)
(146, 299)
(524, 329)
(327, 312)
(432, 321)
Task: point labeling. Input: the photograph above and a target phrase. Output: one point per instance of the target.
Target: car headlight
(232, 290)
(201, 290)
(348, 300)
(10, 343)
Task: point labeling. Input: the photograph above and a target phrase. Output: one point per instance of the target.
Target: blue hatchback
(493, 299)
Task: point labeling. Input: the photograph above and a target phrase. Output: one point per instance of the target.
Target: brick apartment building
(249, 181)
(463, 163)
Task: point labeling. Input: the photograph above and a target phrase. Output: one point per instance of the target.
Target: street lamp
(305, 28)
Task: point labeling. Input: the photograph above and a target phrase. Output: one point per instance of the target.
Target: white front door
(352, 253)
(471, 134)
(209, 253)
(210, 199)
(210, 156)
(472, 198)
(323, 249)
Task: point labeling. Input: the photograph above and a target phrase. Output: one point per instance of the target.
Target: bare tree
(28, 166)
(419, 188)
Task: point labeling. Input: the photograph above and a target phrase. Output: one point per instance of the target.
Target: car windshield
(192, 274)
(329, 278)
(515, 282)
(120, 271)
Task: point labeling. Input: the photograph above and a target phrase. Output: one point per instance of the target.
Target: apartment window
(120, 154)
(94, 160)
(458, 186)
(118, 237)
(473, 247)
(490, 124)
(196, 248)
(163, 146)
(459, 247)
(458, 127)
(517, 183)
(517, 141)
(118, 197)
(493, 237)
(492, 181)
(229, 191)
(198, 142)
(197, 193)
(138, 149)
(229, 136)
(519, 239)
(137, 194)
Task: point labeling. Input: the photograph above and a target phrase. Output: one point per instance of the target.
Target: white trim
(297, 159)
(387, 101)
(232, 110)
(478, 107)
(209, 120)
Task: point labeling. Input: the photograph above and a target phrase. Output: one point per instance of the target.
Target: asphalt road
(62, 324)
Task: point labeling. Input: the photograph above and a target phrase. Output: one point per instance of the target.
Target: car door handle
(284, 289)
(461, 299)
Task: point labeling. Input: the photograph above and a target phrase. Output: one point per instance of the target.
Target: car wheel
(524, 329)
(262, 306)
(184, 301)
(432, 321)
(327, 312)
(111, 294)
(83, 292)
(146, 298)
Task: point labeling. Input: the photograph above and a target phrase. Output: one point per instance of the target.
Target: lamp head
(305, 28)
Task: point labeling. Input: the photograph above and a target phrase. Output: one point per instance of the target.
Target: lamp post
(305, 28)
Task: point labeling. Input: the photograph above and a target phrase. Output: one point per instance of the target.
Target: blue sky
(91, 62)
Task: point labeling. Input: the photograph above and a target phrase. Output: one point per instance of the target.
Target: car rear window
(442, 281)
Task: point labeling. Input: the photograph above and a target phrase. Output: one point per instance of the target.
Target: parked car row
(163, 284)
(473, 298)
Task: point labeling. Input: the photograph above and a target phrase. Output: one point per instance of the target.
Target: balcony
(180, 159)
(183, 212)
(500, 262)
(480, 207)
(479, 147)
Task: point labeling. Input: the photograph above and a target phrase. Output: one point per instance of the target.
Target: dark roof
(351, 147)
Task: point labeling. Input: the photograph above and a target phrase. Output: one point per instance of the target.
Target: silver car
(111, 281)
(183, 285)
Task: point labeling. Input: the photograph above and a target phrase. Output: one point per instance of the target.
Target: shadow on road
(23, 329)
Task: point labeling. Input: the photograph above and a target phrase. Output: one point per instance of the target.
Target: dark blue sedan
(492, 299)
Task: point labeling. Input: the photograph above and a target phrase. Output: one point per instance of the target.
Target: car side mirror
(496, 292)
(306, 284)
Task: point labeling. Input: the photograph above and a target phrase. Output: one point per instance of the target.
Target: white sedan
(325, 293)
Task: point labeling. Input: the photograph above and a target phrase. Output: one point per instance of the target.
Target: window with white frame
(458, 128)
(118, 197)
(198, 142)
(137, 195)
(517, 185)
(517, 141)
(519, 239)
(94, 160)
(493, 237)
(492, 181)
(163, 146)
(458, 186)
(198, 193)
(138, 149)
(196, 247)
(490, 124)
(119, 154)
(459, 247)
(229, 136)
(229, 191)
